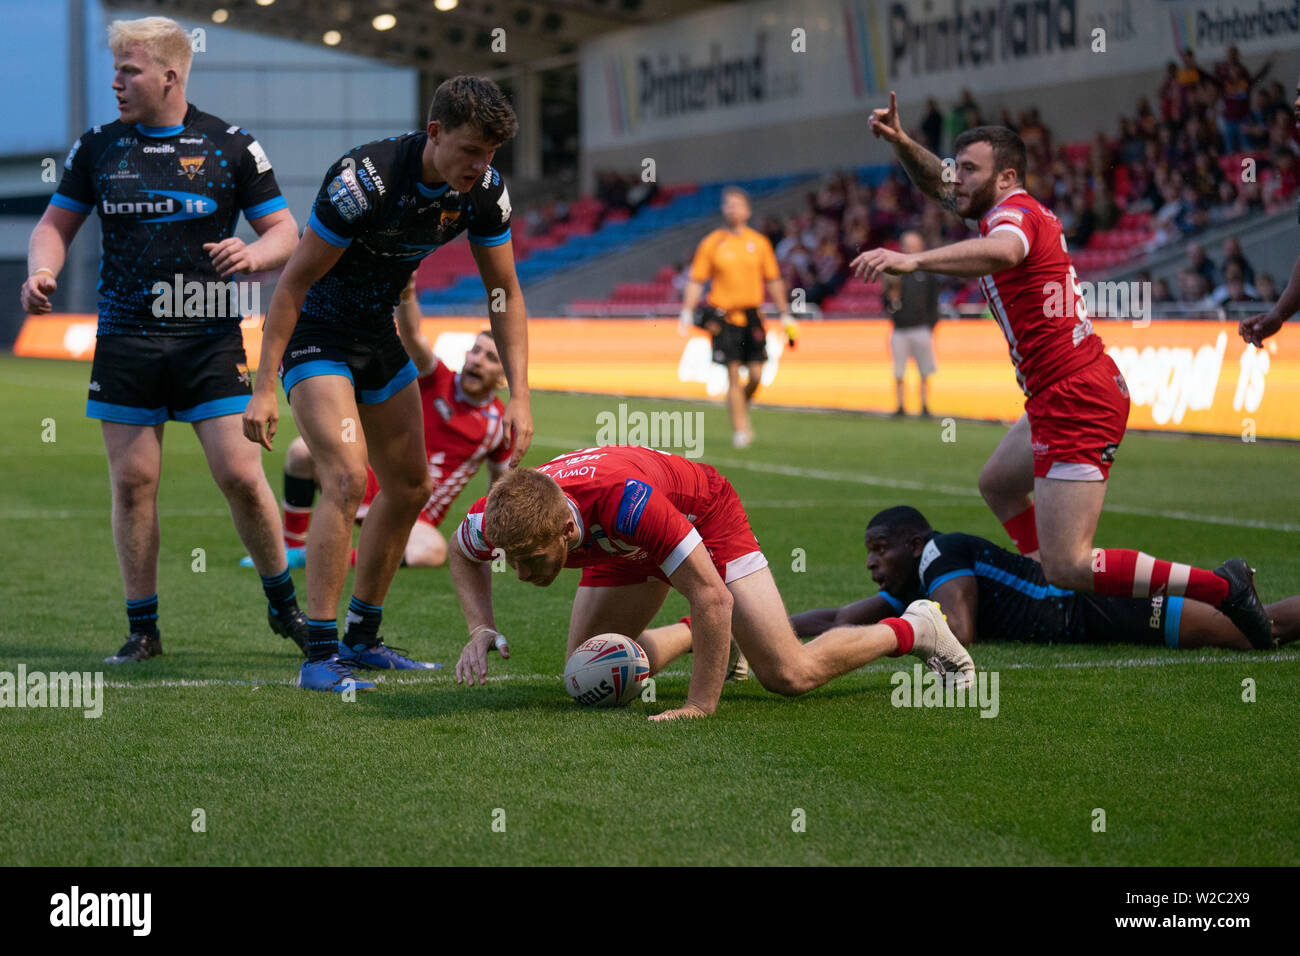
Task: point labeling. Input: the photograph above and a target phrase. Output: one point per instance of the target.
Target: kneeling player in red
(639, 521)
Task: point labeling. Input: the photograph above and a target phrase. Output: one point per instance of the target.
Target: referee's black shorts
(739, 343)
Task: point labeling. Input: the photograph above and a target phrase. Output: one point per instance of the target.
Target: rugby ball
(607, 670)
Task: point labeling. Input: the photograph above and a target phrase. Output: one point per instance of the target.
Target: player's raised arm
(923, 167)
(496, 265)
(46, 252)
(711, 603)
(413, 338)
(312, 259)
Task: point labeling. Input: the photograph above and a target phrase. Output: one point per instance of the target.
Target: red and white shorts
(428, 515)
(1077, 423)
(725, 532)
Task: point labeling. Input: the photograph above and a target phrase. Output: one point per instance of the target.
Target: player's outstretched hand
(36, 293)
(1259, 327)
(518, 424)
(874, 263)
(884, 123)
(690, 711)
(230, 256)
(472, 665)
(261, 416)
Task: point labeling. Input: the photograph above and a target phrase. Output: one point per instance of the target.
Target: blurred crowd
(1217, 144)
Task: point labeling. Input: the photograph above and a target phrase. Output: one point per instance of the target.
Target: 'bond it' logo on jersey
(173, 207)
(635, 495)
(192, 166)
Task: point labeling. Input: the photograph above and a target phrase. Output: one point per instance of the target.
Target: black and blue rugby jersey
(373, 205)
(1015, 601)
(162, 193)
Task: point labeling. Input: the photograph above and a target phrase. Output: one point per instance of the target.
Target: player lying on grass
(1046, 480)
(639, 521)
(462, 430)
(991, 594)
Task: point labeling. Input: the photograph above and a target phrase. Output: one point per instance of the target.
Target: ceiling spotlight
(220, 15)
(265, 3)
(332, 38)
(385, 21)
(445, 5)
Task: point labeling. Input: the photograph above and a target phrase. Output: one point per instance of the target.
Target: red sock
(296, 521)
(903, 631)
(353, 562)
(1023, 529)
(1122, 573)
(686, 621)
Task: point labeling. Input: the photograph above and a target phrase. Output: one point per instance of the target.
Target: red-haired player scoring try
(638, 521)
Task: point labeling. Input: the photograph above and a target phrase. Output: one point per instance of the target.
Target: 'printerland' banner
(748, 65)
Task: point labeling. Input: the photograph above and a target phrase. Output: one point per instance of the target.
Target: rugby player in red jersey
(1046, 480)
(462, 431)
(639, 521)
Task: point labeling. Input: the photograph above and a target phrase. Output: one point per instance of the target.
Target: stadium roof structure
(420, 33)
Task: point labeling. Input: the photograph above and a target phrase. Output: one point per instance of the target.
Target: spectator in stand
(1171, 95)
(1234, 288)
(1160, 291)
(1232, 255)
(1193, 290)
(1079, 223)
(1266, 287)
(1254, 129)
(932, 126)
(829, 270)
(1105, 209)
(912, 301)
(1201, 264)
(1235, 87)
(963, 116)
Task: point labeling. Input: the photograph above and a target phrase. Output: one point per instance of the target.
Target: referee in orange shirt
(737, 262)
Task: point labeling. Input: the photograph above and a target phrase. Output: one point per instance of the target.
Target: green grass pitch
(417, 773)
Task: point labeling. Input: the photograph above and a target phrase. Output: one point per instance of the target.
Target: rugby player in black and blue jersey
(990, 594)
(169, 183)
(381, 209)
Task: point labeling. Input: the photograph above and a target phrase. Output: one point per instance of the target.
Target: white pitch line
(961, 491)
(1174, 659)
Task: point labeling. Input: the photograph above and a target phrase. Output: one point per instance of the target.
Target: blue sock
(142, 615)
(281, 595)
(322, 639)
(362, 623)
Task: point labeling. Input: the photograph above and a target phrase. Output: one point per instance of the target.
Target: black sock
(142, 615)
(280, 593)
(322, 639)
(299, 492)
(362, 623)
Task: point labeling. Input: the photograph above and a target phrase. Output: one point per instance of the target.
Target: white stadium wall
(725, 93)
